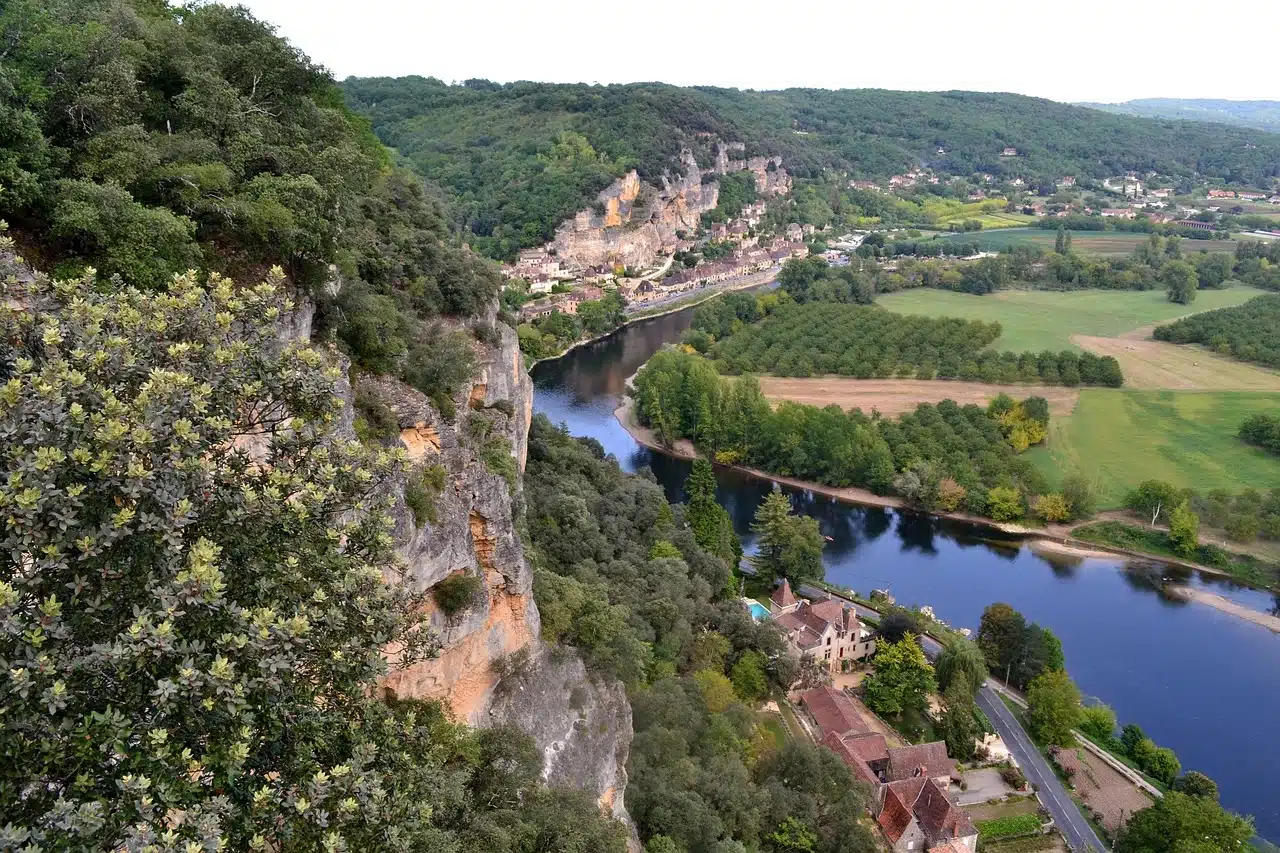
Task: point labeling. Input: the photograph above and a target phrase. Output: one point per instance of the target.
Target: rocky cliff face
(582, 725)
(632, 230)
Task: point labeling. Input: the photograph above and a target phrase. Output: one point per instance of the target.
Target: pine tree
(1060, 242)
(712, 527)
(957, 724)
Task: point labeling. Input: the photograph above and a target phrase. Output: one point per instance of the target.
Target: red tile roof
(783, 596)
(843, 747)
(869, 746)
(832, 711)
(895, 817)
(905, 760)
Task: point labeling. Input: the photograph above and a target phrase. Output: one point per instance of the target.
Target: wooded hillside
(521, 157)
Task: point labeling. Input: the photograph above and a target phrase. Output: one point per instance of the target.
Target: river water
(1200, 681)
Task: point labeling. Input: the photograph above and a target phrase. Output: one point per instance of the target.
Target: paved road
(1080, 836)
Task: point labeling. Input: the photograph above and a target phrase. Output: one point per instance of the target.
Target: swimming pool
(758, 611)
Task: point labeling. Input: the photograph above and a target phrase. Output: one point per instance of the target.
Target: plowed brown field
(895, 396)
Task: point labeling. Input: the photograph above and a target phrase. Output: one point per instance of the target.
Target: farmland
(1119, 438)
(1157, 365)
(1102, 243)
(1040, 319)
(892, 397)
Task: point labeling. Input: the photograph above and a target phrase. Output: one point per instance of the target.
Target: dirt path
(1156, 365)
(896, 396)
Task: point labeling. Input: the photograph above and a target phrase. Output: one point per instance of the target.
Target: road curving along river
(1201, 681)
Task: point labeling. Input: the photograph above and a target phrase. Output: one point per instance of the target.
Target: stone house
(917, 815)
(825, 630)
(795, 232)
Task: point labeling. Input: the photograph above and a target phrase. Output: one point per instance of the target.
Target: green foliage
(374, 419)
(1177, 819)
(1052, 507)
(1008, 827)
(457, 592)
(189, 618)
(712, 527)
(748, 677)
(679, 395)
(700, 779)
(1080, 495)
(737, 190)
(820, 338)
(717, 690)
(1262, 430)
(1196, 784)
(521, 157)
(422, 486)
(961, 657)
(958, 725)
(1180, 280)
(789, 545)
(1053, 702)
(1155, 499)
(1249, 332)
(725, 314)
(1004, 504)
(1015, 648)
(902, 681)
(198, 138)
(1099, 722)
(1184, 530)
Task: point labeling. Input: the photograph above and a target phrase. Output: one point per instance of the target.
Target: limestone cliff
(582, 725)
(627, 228)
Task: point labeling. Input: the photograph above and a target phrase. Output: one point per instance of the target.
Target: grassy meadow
(1121, 437)
(1041, 319)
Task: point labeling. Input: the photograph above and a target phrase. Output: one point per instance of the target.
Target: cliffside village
(630, 240)
(633, 238)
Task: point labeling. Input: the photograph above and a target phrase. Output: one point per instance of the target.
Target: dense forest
(627, 577)
(941, 457)
(521, 157)
(1249, 332)
(817, 338)
(143, 140)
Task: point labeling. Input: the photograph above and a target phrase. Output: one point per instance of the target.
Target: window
(826, 655)
(828, 641)
(842, 651)
(911, 845)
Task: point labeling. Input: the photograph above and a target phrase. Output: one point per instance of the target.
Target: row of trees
(640, 586)
(818, 338)
(1262, 430)
(941, 457)
(1249, 332)
(1243, 516)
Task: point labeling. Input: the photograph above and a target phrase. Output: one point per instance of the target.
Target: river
(1200, 681)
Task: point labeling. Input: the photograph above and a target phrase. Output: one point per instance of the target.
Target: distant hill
(521, 157)
(1263, 115)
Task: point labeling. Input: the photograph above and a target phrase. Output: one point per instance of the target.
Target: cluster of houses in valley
(566, 287)
(912, 785)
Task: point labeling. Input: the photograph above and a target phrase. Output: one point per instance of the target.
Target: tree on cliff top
(194, 603)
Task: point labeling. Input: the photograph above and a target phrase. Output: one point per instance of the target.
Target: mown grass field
(1118, 438)
(1039, 319)
(1112, 243)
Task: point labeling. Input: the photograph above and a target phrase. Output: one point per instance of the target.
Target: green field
(1112, 243)
(1118, 438)
(1042, 319)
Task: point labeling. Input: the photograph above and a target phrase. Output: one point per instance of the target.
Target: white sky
(1070, 50)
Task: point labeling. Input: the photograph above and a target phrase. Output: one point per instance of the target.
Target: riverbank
(1056, 540)
(696, 298)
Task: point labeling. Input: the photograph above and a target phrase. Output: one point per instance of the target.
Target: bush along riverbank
(1158, 542)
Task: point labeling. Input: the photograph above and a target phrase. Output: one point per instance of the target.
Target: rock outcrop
(631, 223)
(581, 723)
(473, 532)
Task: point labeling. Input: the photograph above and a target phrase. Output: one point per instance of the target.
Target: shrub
(456, 592)
(1098, 722)
(1013, 777)
(422, 487)
(1052, 507)
(1004, 504)
(374, 419)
